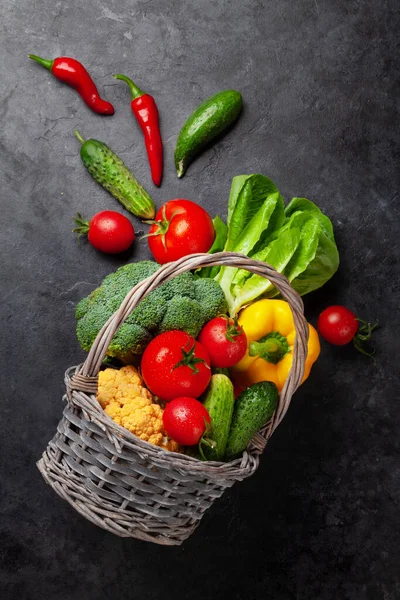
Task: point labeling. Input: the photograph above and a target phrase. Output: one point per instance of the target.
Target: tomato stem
(83, 225)
(363, 335)
(190, 360)
(162, 224)
(206, 441)
(233, 329)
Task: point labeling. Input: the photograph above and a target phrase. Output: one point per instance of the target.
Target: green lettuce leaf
(320, 268)
(297, 220)
(221, 231)
(277, 254)
(297, 240)
(249, 237)
(304, 205)
(247, 195)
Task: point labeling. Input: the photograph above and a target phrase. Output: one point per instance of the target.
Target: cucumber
(253, 408)
(219, 402)
(110, 172)
(208, 120)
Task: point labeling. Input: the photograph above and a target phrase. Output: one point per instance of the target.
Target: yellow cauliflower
(124, 398)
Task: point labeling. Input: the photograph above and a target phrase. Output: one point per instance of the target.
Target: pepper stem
(47, 64)
(271, 347)
(78, 135)
(135, 90)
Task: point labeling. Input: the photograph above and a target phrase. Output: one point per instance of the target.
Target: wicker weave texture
(126, 485)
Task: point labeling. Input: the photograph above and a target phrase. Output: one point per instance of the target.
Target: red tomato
(185, 420)
(108, 231)
(337, 325)
(174, 364)
(181, 227)
(224, 340)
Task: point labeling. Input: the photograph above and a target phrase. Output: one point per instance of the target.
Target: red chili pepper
(145, 110)
(72, 72)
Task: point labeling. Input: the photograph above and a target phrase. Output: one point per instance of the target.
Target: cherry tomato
(174, 364)
(224, 340)
(185, 420)
(108, 231)
(181, 227)
(337, 325)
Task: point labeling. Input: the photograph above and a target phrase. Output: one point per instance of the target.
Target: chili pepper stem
(135, 90)
(78, 135)
(47, 64)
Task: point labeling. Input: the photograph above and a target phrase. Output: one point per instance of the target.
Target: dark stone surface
(320, 519)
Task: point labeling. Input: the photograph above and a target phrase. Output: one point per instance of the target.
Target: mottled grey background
(320, 519)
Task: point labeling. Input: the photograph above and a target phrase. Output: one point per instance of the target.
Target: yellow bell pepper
(270, 331)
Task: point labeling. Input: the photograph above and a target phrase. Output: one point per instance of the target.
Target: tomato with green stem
(174, 364)
(339, 326)
(108, 231)
(186, 420)
(224, 340)
(181, 227)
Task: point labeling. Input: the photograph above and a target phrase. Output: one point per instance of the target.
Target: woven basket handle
(93, 362)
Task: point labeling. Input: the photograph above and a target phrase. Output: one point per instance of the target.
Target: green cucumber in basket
(253, 408)
(219, 402)
(209, 119)
(113, 175)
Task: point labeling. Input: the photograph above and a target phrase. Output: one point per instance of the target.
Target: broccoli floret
(90, 324)
(82, 307)
(149, 312)
(211, 298)
(184, 314)
(129, 339)
(182, 285)
(184, 303)
(126, 277)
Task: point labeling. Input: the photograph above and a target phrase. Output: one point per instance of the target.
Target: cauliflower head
(124, 398)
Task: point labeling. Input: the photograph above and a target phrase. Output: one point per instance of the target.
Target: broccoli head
(185, 303)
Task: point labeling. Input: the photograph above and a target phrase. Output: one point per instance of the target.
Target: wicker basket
(131, 487)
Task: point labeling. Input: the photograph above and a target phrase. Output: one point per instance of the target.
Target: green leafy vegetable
(277, 254)
(297, 241)
(221, 232)
(248, 194)
(256, 227)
